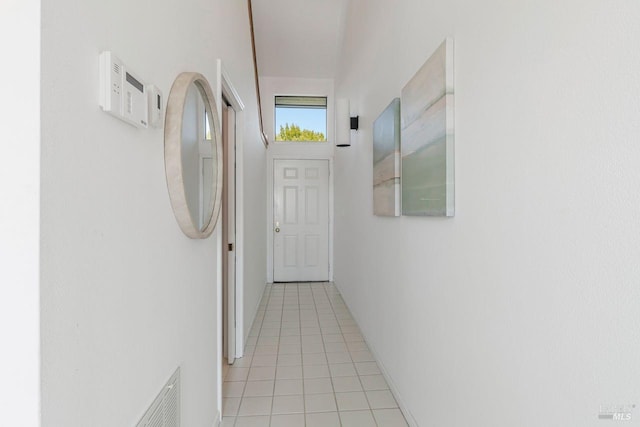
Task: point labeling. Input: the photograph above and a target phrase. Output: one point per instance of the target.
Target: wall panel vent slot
(165, 409)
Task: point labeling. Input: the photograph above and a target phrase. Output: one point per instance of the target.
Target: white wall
(126, 297)
(20, 212)
(522, 310)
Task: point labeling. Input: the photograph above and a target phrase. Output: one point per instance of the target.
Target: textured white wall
(20, 212)
(523, 309)
(126, 297)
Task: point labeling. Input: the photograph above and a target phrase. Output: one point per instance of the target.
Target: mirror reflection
(198, 156)
(192, 155)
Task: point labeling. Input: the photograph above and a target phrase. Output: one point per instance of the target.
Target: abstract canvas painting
(386, 161)
(427, 133)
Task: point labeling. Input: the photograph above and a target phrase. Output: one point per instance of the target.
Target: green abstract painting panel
(427, 137)
(386, 161)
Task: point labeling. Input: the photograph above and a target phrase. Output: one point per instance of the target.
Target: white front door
(301, 220)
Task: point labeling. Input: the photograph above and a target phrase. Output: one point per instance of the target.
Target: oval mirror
(193, 155)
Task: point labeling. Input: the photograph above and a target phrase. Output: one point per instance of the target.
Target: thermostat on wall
(122, 94)
(156, 106)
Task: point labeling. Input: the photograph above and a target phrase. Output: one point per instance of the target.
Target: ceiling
(298, 38)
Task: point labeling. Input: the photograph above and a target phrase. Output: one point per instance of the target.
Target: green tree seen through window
(292, 132)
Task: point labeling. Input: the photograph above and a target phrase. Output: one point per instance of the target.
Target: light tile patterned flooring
(306, 365)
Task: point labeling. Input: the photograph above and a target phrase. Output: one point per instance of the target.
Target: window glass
(301, 118)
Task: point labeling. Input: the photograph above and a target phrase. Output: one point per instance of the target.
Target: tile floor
(306, 364)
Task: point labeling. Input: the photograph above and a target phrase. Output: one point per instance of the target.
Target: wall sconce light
(344, 123)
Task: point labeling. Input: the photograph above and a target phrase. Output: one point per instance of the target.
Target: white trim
(239, 234)
(311, 156)
(254, 312)
(226, 89)
(217, 237)
(394, 389)
(24, 147)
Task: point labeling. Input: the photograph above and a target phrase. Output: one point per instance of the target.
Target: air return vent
(165, 410)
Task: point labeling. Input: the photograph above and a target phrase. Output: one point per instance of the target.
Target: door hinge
(230, 247)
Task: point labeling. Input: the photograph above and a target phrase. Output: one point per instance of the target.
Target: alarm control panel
(122, 93)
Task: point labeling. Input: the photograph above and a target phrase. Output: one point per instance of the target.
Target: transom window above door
(301, 118)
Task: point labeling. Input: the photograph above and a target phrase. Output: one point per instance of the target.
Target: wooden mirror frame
(173, 154)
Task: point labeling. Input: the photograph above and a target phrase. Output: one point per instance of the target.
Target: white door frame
(224, 88)
(229, 232)
(270, 209)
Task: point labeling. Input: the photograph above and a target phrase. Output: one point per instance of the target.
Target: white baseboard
(394, 390)
(253, 319)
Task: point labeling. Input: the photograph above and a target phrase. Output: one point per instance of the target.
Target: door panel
(312, 205)
(311, 250)
(301, 220)
(311, 173)
(229, 235)
(290, 173)
(290, 251)
(291, 205)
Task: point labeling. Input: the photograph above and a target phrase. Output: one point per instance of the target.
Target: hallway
(306, 364)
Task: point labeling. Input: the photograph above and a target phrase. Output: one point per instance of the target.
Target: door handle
(277, 229)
